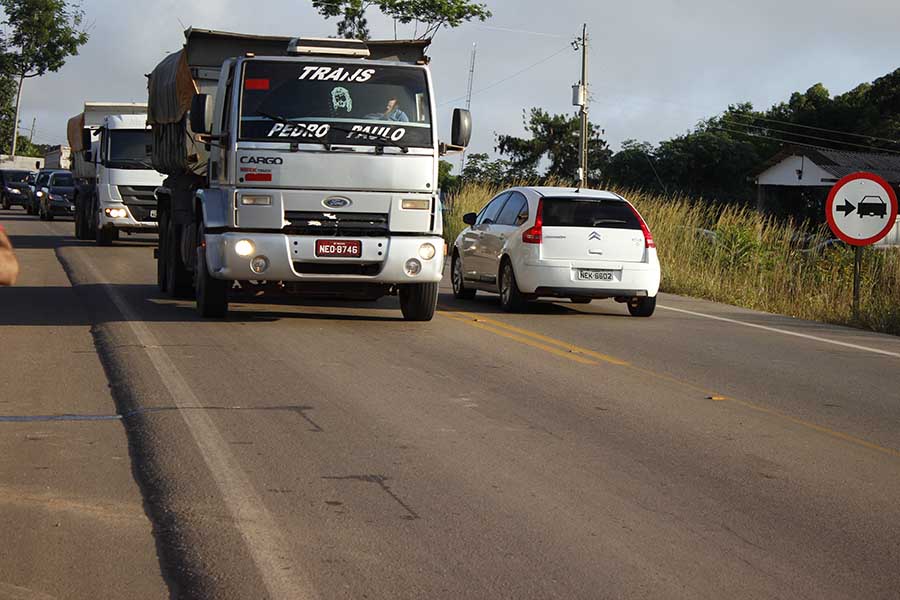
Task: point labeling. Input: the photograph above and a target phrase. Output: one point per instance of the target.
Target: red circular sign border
(830, 203)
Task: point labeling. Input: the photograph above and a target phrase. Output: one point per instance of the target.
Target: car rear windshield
(63, 181)
(15, 176)
(572, 212)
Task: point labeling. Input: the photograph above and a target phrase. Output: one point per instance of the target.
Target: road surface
(305, 449)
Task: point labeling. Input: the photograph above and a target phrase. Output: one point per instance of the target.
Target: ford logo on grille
(336, 202)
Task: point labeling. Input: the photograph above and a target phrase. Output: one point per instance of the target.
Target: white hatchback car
(532, 242)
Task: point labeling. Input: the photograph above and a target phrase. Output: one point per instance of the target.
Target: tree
(430, 14)
(39, 35)
(554, 138)
(481, 169)
(447, 182)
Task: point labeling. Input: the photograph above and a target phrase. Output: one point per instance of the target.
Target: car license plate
(595, 275)
(339, 248)
(152, 214)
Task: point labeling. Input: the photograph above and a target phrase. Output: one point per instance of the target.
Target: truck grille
(367, 269)
(138, 194)
(333, 224)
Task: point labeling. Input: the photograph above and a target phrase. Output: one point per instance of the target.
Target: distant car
(57, 197)
(874, 206)
(14, 189)
(533, 242)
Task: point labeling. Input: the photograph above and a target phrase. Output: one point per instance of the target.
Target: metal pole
(857, 265)
(16, 121)
(33, 125)
(583, 149)
(462, 164)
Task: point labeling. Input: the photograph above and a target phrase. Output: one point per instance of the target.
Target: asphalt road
(306, 449)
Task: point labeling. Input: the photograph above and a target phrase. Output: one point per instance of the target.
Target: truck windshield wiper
(285, 121)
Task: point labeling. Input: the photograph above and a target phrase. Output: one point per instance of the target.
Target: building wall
(26, 163)
(785, 174)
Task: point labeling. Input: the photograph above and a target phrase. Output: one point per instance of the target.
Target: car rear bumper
(292, 259)
(559, 279)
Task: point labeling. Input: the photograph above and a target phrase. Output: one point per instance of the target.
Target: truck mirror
(462, 128)
(201, 114)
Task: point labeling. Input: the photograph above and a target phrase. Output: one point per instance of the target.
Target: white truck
(115, 180)
(304, 164)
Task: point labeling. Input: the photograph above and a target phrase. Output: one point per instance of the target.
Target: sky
(655, 67)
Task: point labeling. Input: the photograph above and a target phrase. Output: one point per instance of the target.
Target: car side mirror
(202, 114)
(461, 132)
(470, 218)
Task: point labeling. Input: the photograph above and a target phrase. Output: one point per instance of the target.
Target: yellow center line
(580, 355)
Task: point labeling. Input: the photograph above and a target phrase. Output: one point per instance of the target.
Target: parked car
(13, 188)
(57, 196)
(533, 242)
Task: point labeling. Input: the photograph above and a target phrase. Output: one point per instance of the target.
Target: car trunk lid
(591, 229)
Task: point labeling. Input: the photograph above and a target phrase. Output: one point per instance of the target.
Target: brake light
(535, 233)
(648, 237)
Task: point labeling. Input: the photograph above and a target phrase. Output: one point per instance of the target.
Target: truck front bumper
(292, 259)
(126, 223)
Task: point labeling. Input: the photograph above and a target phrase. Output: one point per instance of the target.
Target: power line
(838, 131)
(525, 31)
(803, 135)
(567, 47)
(775, 139)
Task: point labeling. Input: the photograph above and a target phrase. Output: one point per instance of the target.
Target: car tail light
(535, 233)
(648, 237)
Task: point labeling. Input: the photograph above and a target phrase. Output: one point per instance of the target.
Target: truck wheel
(642, 307)
(103, 236)
(178, 278)
(212, 294)
(418, 301)
(162, 267)
(79, 234)
(5, 203)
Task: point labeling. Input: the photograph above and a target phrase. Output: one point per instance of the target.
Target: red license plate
(339, 248)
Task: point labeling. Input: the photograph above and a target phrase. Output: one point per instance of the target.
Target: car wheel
(5, 203)
(418, 301)
(460, 291)
(580, 300)
(511, 299)
(211, 293)
(642, 307)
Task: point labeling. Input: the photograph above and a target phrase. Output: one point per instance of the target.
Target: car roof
(572, 192)
(51, 171)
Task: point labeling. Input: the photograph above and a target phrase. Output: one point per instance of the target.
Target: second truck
(307, 164)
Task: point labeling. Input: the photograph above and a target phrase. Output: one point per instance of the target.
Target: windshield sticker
(341, 100)
(315, 73)
(373, 132)
(299, 130)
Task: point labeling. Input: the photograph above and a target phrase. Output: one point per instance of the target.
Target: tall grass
(740, 257)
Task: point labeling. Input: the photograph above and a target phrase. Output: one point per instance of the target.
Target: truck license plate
(595, 275)
(339, 248)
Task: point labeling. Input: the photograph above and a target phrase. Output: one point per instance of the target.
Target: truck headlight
(413, 267)
(420, 204)
(244, 248)
(116, 213)
(427, 251)
(256, 200)
(259, 265)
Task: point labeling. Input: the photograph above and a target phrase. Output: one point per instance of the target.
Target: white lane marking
(260, 532)
(805, 336)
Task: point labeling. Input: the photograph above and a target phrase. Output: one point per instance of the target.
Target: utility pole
(16, 121)
(583, 149)
(462, 165)
(33, 125)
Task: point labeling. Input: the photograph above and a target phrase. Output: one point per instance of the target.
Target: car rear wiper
(609, 222)
(285, 121)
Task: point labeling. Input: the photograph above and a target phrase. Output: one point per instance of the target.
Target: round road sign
(861, 208)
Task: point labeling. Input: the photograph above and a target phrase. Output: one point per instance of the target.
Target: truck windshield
(129, 149)
(336, 103)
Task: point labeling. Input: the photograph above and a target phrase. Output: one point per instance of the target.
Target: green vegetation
(734, 255)
(427, 15)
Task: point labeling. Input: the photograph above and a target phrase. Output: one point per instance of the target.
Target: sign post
(861, 209)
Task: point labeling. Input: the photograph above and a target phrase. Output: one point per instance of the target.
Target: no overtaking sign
(861, 209)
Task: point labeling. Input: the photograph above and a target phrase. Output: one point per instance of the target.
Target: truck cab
(125, 177)
(321, 175)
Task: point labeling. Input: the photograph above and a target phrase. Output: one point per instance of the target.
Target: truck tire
(211, 293)
(5, 202)
(418, 301)
(162, 266)
(103, 236)
(178, 278)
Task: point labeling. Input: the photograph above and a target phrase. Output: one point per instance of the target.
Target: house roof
(841, 163)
